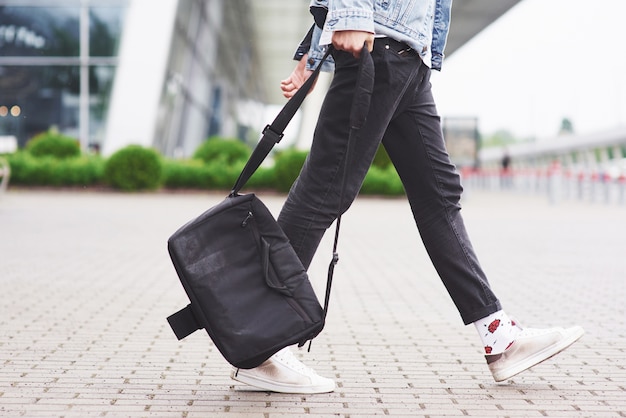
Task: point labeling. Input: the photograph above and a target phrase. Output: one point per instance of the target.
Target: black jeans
(404, 117)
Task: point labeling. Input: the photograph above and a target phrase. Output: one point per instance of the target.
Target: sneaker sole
(539, 357)
(266, 385)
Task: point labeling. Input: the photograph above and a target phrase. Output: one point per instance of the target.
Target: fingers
(285, 83)
(353, 41)
(288, 90)
(292, 84)
(370, 43)
(289, 87)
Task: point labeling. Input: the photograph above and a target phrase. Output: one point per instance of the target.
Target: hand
(352, 41)
(296, 79)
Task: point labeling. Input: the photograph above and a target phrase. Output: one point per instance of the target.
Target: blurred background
(527, 84)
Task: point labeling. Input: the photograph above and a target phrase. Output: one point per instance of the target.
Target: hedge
(139, 168)
(27, 170)
(224, 151)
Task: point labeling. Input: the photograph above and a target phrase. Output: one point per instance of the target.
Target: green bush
(186, 174)
(222, 176)
(53, 144)
(134, 168)
(194, 174)
(31, 171)
(381, 159)
(222, 151)
(382, 182)
(27, 170)
(287, 167)
(263, 178)
(83, 171)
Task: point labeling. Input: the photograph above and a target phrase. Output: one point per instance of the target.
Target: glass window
(100, 83)
(105, 29)
(45, 92)
(39, 31)
(45, 96)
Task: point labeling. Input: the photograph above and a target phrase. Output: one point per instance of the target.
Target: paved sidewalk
(86, 285)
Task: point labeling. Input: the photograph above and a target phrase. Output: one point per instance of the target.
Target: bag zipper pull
(244, 223)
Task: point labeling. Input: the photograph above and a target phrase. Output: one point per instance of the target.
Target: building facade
(166, 74)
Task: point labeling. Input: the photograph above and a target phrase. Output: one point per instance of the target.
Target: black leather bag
(246, 284)
(247, 287)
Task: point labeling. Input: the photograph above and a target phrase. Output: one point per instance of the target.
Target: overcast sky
(541, 62)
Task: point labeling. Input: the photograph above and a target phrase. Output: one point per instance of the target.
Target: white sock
(497, 332)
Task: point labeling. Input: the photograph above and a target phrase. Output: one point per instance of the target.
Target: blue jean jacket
(421, 24)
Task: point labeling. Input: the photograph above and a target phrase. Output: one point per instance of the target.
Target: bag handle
(273, 133)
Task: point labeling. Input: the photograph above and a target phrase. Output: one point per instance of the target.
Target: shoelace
(533, 332)
(289, 359)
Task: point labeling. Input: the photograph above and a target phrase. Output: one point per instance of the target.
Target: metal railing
(554, 182)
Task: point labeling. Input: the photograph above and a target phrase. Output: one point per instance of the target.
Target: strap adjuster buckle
(268, 131)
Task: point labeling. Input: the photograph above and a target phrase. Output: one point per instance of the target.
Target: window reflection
(40, 65)
(100, 84)
(45, 96)
(105, 27)
(39, 31)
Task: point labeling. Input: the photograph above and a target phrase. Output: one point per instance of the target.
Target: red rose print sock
(497, 332)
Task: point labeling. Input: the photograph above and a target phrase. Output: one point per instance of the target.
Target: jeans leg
(416, 147)
(313, 201)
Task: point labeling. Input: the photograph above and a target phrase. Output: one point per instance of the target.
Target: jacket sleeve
(342, 15)
(350, 15)
(305, 45)
(441, 27)
(310, 46)
(317, 51)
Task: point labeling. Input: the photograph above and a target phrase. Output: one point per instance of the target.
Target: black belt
(398, 47)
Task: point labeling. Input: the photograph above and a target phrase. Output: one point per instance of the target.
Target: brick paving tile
(86, 285)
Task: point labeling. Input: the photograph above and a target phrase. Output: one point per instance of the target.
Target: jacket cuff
(317, 51)
(350, 19)
(304, 46)
(436, 61)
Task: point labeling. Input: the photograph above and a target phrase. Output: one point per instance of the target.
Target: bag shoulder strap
(273, 133)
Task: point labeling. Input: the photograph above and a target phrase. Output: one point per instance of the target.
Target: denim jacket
(421, 24)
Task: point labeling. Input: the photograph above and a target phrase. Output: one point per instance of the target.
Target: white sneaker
(531, 347)
(284, 373)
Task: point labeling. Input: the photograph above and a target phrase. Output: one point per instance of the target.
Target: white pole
(83, 124)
